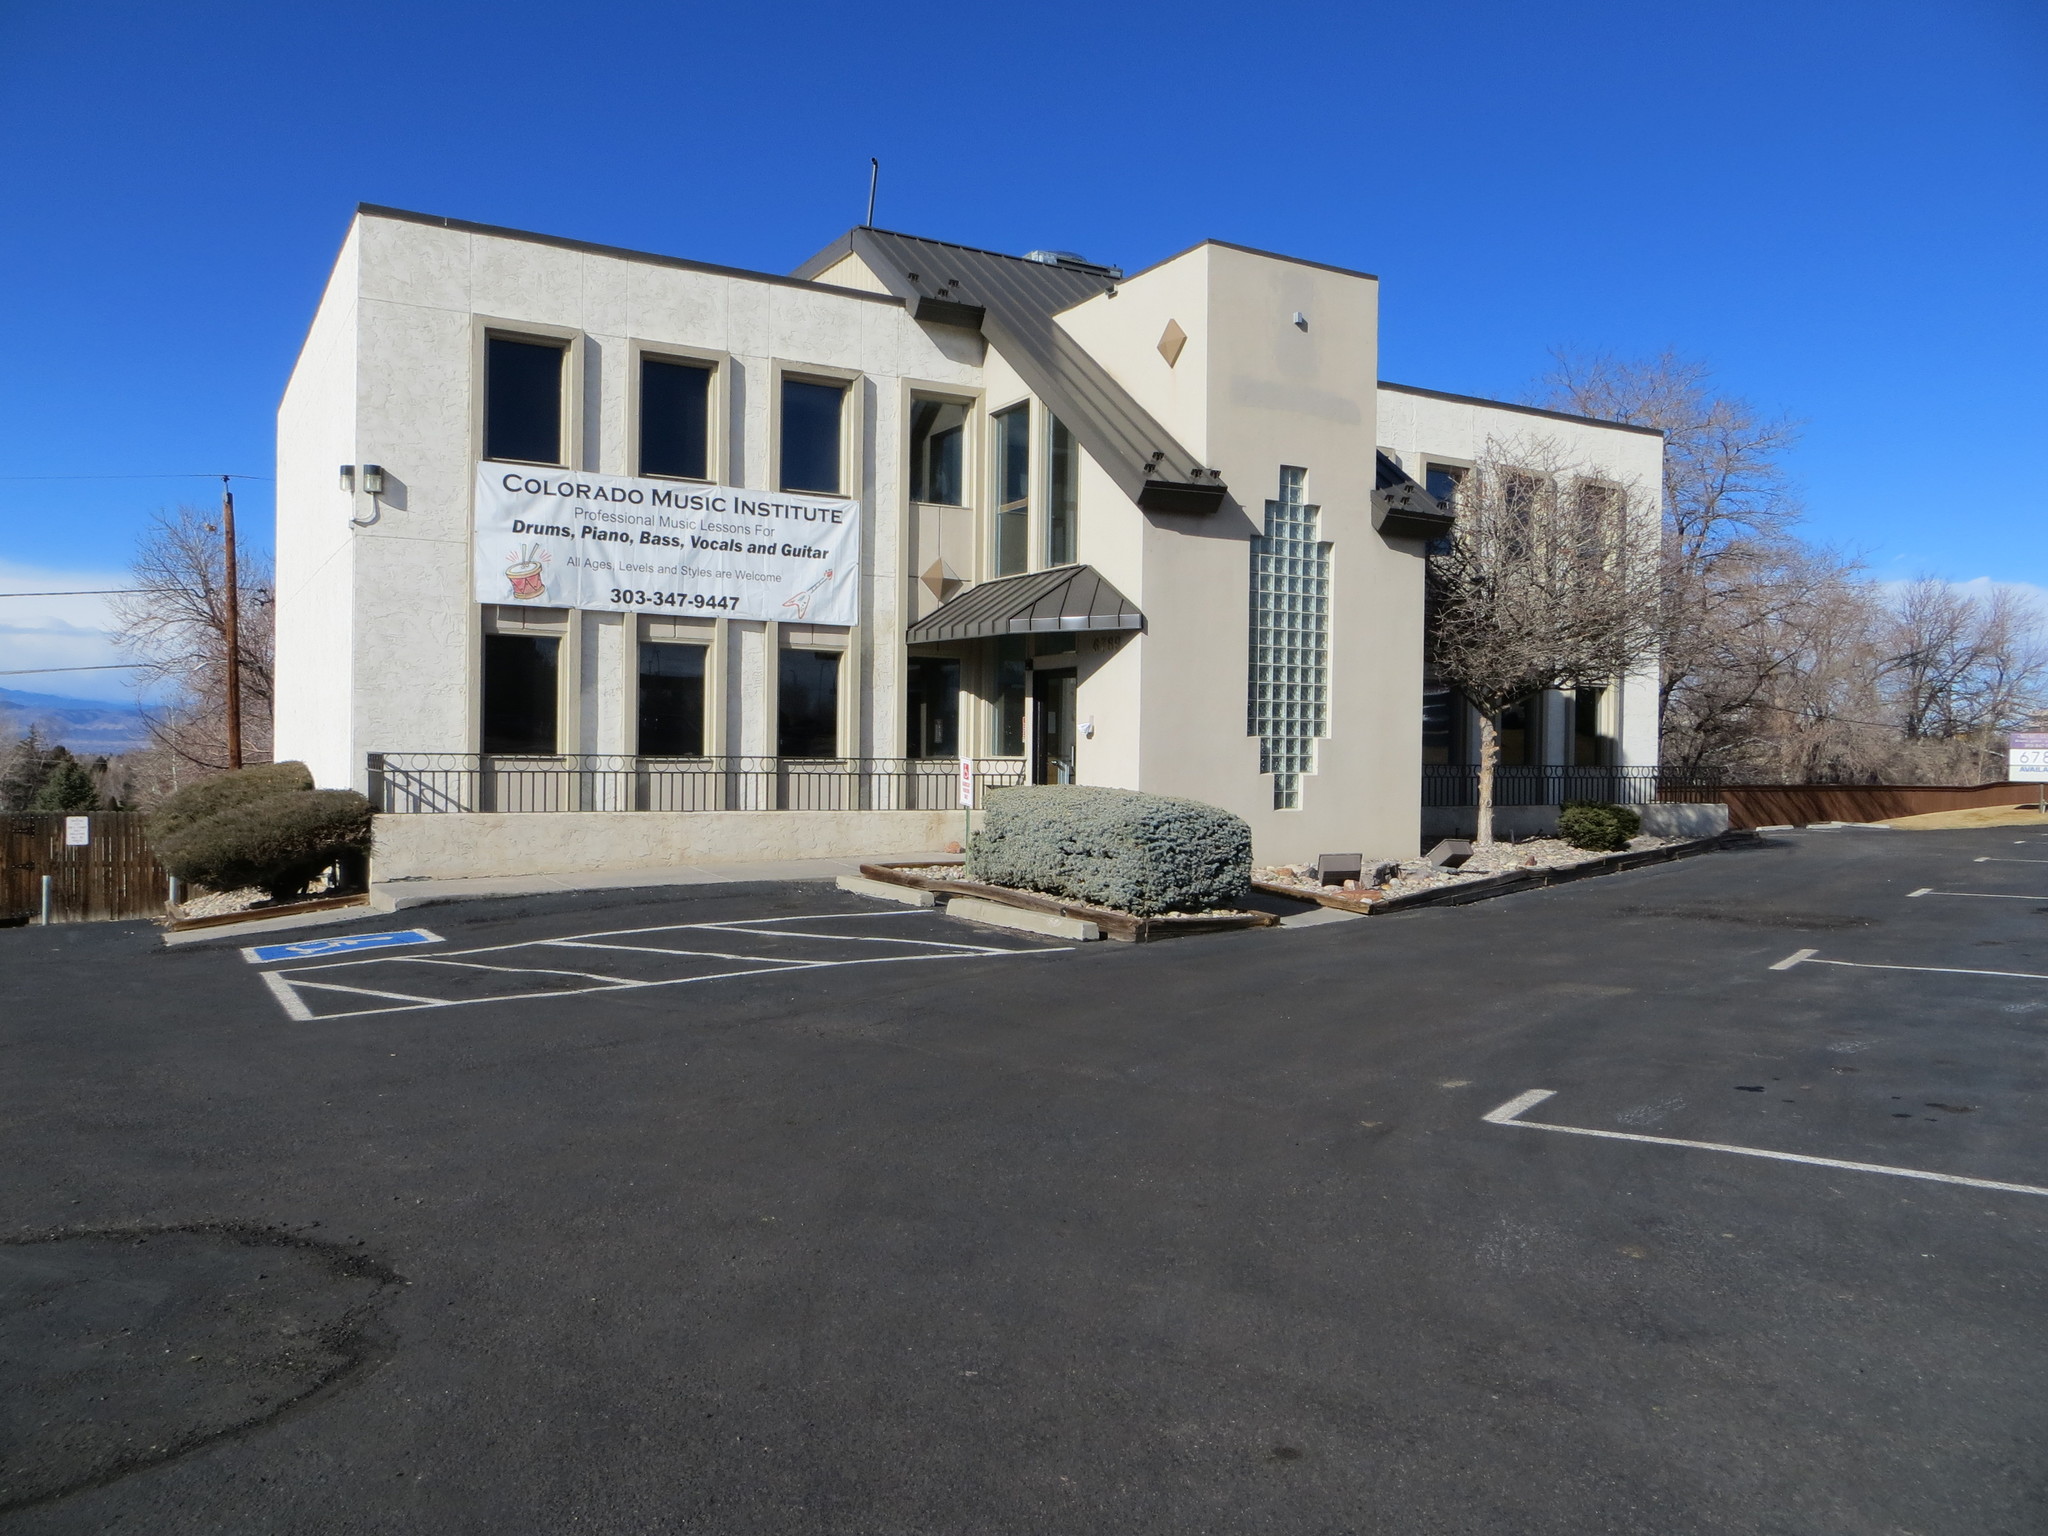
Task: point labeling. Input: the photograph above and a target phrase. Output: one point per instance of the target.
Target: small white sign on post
(966, 783)
(2026, 757)
(77, 831)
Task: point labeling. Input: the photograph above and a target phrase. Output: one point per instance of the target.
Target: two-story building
(594, 558)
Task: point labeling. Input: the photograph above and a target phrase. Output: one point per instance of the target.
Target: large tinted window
(1063, 497)
(671, 700)
(810, 435)
(1013, 681)
(807, 705)
(1013, 490)
(522, 401)
(675, 419)
(938, 436)
(934, 707)
(519, 693)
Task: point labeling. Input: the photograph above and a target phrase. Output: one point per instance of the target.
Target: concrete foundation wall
(454, 845)
(1519, 821)
(1684, 820)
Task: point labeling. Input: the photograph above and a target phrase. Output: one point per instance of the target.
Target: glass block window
(1290, 646)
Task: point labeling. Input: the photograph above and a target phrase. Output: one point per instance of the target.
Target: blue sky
(1839, 205)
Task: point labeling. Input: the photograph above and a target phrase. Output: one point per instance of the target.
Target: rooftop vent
(1073, 263)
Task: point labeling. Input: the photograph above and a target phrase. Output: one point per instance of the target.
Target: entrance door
(1052, 727)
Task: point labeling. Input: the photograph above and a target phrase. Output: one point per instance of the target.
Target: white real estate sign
(2026, 757)
(547, 538)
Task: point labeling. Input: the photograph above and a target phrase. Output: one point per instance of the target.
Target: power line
(90, 592)
(124, 666)
(179, 476)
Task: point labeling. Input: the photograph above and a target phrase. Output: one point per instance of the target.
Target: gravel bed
(218, 903)
(1421, 875)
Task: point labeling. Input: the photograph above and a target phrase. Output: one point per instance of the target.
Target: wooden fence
(111, 875)
(1770, 805)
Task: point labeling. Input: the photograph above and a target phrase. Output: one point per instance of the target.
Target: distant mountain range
(88, 727)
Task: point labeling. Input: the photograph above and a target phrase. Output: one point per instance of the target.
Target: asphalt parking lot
(768, 1209)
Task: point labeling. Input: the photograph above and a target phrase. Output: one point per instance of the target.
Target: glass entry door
(1052, 727)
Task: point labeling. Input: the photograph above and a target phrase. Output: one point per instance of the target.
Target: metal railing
(1458, 785)
(426, 782)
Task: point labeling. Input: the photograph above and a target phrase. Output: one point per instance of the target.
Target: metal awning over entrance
(1063, 599)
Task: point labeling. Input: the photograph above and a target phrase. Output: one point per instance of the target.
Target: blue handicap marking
(340, 944)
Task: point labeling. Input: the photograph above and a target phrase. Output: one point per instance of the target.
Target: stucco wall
(315, 666)
(574, 842)
(427, 295)
(1250, 392)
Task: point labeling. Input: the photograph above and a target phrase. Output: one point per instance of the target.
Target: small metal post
(172, 898)
(46, 901)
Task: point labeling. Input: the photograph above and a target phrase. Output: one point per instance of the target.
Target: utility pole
(232, 629)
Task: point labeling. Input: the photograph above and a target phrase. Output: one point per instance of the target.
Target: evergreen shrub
(1137, 853)
(1597, 827)
(68, 788)
(279, 842)
(209, 797)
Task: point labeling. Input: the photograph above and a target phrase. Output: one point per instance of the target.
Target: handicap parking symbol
(340, 944)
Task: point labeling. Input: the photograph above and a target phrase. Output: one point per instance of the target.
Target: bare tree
(1550, 579)
(1731, 570)
(1962, 666)
(176, 624)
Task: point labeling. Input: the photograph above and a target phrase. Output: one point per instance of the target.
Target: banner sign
(547, 538)
(2026, 757)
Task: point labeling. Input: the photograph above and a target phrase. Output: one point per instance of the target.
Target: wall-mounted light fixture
(373, 479)
(1300, 321)
(348, 477)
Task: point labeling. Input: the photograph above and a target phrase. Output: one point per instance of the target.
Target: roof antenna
(874, 175)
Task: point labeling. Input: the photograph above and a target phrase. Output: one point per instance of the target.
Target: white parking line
(285, 982)
(1807, 957)
(1985, 895)
(1993, 858)
(1508, 1113)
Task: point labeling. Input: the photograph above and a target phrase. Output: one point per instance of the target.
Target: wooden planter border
(257, 914)
(1124, 926)
(1330, 897)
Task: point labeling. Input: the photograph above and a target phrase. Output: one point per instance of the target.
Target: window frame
(559, 624)
(1034, 450)
(1076, 456)
(679, 629)
(718, 401)
(916, 394)
(852, 423)
(483, 328)
(1459, 470)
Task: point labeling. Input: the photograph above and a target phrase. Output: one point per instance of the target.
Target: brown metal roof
(1065, 598)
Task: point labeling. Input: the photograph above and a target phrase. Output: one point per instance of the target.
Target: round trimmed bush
(279, 842)
(209, 797)
(1597, 827)
(1139, 853)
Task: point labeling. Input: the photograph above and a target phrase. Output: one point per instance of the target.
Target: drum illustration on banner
(610, 542)
(528, 582)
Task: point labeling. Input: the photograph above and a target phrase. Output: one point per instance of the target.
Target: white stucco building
(557, 570)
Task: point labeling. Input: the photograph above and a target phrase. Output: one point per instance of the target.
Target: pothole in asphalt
(123, 1349)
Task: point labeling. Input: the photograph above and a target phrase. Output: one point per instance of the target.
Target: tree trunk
(1489, 755)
